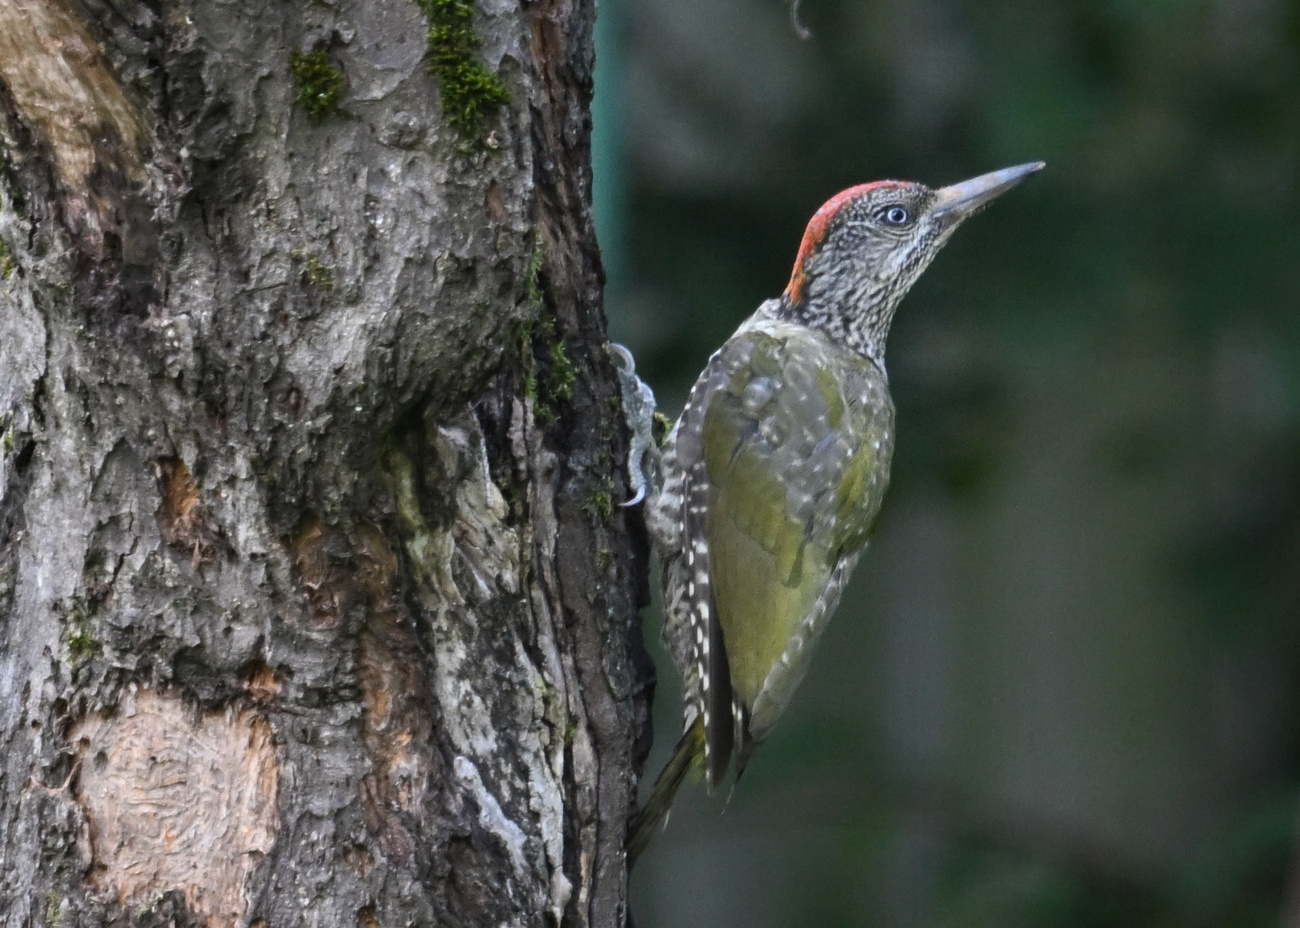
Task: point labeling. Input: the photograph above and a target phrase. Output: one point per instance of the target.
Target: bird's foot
(639, 410)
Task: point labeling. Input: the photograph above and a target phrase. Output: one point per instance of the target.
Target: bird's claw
(639, 410)
(640, 495)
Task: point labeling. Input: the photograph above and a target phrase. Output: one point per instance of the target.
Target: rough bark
(314, 608)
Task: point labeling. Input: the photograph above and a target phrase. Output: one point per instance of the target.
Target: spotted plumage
(776, 470)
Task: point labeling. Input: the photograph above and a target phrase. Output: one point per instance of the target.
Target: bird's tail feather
(651, 817)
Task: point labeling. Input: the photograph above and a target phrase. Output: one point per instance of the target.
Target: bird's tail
(651, 817)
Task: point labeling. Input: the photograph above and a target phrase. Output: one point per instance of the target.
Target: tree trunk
(315, 605)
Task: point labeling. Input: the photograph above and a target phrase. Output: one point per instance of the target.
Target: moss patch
(6, 261)
(550, 377)
(564, 376)
(660, 426)
(316, 274)
(427, 548)
(599, 504)
(53, 901)
(320, 84)
(81, 642)
(470, 92)
(78, 634)
(533, 273)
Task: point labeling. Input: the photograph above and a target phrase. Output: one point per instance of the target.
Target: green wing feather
(796, 462)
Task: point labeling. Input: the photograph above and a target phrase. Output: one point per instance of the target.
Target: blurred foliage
(1064, 691)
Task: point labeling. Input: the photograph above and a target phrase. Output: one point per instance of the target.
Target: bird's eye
(896, 215)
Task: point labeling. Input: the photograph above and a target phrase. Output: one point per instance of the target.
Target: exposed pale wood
(68, 95)
(177, 802)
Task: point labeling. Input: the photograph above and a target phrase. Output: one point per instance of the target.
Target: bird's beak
(970, 196)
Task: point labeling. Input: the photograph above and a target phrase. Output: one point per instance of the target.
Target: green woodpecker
(776, 469)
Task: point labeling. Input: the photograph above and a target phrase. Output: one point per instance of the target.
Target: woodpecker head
(867, 245)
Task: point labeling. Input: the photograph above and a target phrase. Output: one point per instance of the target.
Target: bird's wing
(775, 491)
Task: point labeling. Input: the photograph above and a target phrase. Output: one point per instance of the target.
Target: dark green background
(1063, 688)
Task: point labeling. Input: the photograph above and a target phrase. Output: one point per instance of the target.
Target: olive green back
(797, 437)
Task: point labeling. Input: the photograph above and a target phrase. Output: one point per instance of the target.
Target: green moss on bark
(316, 274)
(549, 374)
(599, 504)
(320, 84)
(470, 92)
(533, 274)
